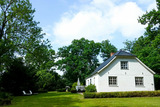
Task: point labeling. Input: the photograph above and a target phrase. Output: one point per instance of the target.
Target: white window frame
(112, 80)
(124, 65)
(139, 81)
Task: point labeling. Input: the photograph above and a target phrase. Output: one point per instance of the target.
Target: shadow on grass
(50, 99)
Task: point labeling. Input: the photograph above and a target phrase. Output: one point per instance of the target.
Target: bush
(121, 94)
(61, 90)
(74, 85)
(42, 91)
(91, 88)
(5, 98)
(73, 90)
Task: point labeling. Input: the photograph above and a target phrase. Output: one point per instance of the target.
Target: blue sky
(115, 20)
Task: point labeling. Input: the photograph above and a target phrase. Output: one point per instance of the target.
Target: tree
(147, 47)
(19, 33)
(106, 49)
(21, 36)
(42, 58)
(128, 45)
(18, 77)
(78, 60)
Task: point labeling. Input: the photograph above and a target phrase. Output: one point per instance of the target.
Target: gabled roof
(119, 53)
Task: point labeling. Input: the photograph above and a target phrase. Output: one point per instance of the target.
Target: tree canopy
(78, 59)
(106, 49)
(19, 33)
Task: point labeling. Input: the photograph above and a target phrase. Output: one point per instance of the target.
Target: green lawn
(60, 99)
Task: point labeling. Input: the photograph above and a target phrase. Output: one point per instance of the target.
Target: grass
(61, 99)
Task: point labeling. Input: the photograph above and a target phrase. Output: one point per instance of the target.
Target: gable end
(145, 66)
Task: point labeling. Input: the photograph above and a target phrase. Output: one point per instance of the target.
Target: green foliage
(74, 85)
(43, 61)
(18, 78)
(78, 59)
(157, 81)
(106, 49)
(121, 94)
(5, 98)
(49, 80)
(128, 45)
(19, 33)
(90, 88)
(4, 95)
(61, 90)
(44, 79)
(73, 90)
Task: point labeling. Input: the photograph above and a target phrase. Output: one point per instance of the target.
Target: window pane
(124, 65)
(112, 80)
(139, 81)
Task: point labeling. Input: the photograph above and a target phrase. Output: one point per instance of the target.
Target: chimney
(111, 54)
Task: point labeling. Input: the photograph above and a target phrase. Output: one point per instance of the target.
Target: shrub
(42, 91)
(5, 98)
(121, 94)
(73, 90)
(61, 90)
(90, 95)
(74, 85)
(91, 88)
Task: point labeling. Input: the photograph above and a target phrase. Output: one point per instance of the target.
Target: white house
(123, 71)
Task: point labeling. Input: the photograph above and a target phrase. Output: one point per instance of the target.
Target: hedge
(121, 94)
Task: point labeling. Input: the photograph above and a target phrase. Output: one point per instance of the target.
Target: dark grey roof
(119, 53)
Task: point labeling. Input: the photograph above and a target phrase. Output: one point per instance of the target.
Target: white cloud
(124, 19)
(152, 6)
(99, 20)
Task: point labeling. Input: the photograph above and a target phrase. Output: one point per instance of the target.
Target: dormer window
(124, 65)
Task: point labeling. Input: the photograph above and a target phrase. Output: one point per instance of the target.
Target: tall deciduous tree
(79, 59)
(19, 33)
(106, 49)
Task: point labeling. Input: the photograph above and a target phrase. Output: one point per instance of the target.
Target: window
(124, 64)
(90, 81)
(112, 80)
(139, 81)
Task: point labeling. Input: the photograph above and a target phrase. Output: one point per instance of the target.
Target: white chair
(27, 94)
(32, 93)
